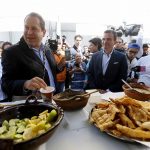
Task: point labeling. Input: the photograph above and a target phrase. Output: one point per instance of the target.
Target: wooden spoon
(127, 84)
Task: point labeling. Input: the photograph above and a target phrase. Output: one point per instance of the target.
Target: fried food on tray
(133, 133)
(138, 115)
(126, 121)
(146, 125)
(103, 105)
(126, 101)
(123, 117)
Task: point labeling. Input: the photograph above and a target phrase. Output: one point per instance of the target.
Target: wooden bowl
(133, 93)
(71, 100)
(28, 110)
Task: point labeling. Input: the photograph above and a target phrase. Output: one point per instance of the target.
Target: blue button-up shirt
(39, 53)
(105, 61)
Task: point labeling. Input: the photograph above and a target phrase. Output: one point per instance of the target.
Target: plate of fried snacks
(124, 118)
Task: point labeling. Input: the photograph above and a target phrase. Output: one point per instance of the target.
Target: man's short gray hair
(34, 14)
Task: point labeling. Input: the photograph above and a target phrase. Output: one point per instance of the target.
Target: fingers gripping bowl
(139, 92)
(28, 110)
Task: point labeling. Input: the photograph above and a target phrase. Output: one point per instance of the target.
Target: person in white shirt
(132, 51)
(77, 46)
(144, 72)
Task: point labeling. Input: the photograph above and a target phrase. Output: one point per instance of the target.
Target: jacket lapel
(100, 62)
(50, 59)
(29, 52)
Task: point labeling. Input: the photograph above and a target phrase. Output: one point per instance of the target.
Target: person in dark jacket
(108, 66)
(29, 64)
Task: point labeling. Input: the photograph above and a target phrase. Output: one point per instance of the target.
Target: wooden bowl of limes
(36, 117)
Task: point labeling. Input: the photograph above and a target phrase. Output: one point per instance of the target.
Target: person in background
(59, 56)
(95, 44)
(143, 65)
(145, 49)
(119, 46)
(78, 73)
(85, 49)
(3, 96)
(66, 50)
(29, 65)
(77, 46)
(108, 66)
(86, 54)
(60, 49)
(65, 42)
(132, 51)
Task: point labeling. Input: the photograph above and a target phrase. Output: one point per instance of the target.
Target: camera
(127, 30)
(53, 44)
(136, 69)
(77, 65)
(139, 69)
(132, 29)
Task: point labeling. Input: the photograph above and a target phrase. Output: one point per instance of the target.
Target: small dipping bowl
(47, 93)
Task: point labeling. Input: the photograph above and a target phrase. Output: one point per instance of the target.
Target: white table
(75, 133)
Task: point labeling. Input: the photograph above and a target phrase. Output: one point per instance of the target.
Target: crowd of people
(31, 64)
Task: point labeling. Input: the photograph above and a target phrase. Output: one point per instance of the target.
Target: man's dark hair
(113, 32)
(6, 43)
(96, 41)
(145, 45)
(42, 22)
(78, 36)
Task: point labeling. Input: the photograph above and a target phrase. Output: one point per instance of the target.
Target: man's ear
(44, 32)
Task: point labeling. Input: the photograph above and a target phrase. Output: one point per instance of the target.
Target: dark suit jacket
(20, 63)
(116, 70)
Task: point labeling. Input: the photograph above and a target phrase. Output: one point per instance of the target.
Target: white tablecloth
(75, 132)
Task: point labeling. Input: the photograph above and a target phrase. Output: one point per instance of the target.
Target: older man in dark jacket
(28, 65)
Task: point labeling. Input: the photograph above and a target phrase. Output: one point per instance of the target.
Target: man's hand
(34, 84)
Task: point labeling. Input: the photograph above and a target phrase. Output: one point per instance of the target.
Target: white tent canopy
(98, 12)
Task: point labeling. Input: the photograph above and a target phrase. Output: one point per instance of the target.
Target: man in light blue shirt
(108, 66)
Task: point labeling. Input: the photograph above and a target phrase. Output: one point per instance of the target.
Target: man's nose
(29, 31)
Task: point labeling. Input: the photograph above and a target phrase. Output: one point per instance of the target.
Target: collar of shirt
(39, 52)
(105, 61)
(40, 49)
(108, 55)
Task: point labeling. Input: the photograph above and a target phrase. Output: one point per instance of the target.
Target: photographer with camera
(132, 51)
(78, 73)
(56, 48)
